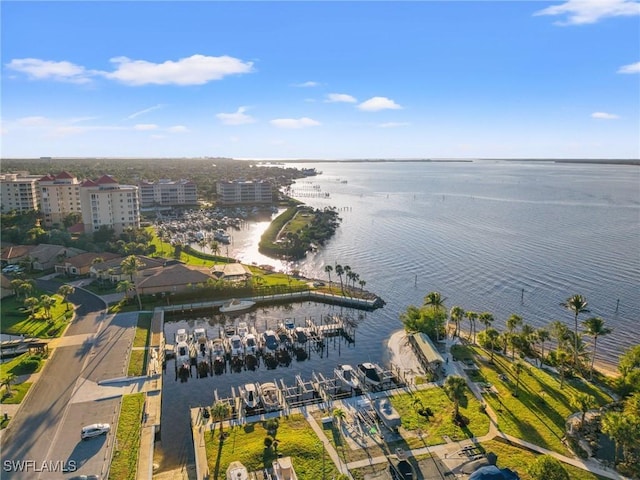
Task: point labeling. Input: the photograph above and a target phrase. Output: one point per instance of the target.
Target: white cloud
(604, 116)
(145, 126)
(146, 110)
(237, 118)
(157, 137)
(291, 123)
(178, 129)
(306, 84)
(375, 104)
(581, 12)
(631, 68)
(193, 70)
(340, 97)
(45, 69)
(35, 121)
(394, 124)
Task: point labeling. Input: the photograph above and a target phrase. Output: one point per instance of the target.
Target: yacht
(283, 469)
(250, 344)
(202, 343)
(371, 372)
(249, 394)
(299, 335)
(237, 471)
(242, 329)
(236, 305)
(270, 341)
(347, 375)
(389, 415)
(269, 396)
(237, 348)
(182, 349)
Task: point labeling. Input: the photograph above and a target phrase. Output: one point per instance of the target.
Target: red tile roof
(105, 179)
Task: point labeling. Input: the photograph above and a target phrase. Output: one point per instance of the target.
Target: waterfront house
(172, 278)
(112, 271)
(231, 272)
(81, 264)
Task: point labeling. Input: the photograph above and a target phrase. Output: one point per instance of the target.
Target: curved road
(43, 439)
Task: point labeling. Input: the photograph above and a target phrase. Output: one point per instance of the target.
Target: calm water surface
(478, 233)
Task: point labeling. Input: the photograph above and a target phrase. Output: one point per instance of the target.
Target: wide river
(477, 232)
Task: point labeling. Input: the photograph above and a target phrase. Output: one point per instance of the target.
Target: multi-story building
(167, 193)
(59, 197)
(19, 192)
(240, 192)
(107, 203)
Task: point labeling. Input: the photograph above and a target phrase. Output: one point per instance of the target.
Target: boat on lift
(371, 372)
(347, 375)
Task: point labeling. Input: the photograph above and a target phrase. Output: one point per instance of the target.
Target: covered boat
(372, 373)
(236, 305)
(347, 375)
(269, 396)
(250, 397)
(387, 414)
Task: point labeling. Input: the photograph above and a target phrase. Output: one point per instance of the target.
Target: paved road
(45, 435)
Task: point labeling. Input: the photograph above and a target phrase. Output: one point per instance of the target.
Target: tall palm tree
(513, 322)
(9, 379)
(561, 333)
(472, 317)
(454, 387)
(31, 304)
(339, 414)
(328, 269)
(542, 336)
(576, 304)
(456, 314)
(518, 367)
(340, 271)
(613, 425)
(562, 357)
(492, 337)
(582, 402)
(130, 266)
(219, 412)
(64, 291)
(362, 283)
(486, 319)
(434, 300)
(25, 287)
(47, 302)
(124, 286)
(595, 328)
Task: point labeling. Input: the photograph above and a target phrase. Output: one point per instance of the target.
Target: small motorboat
(270, 340)
(283, 469)
(372, 373)
(389, 415)
(237, 348)
(236, 305)
(250, 397)
(242, 329)
(202, 342)
(237, 471)
(250, 344)
(299, 335)
(269, 396)
(347, 375)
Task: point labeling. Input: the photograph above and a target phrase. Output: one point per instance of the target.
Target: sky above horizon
(321, 80)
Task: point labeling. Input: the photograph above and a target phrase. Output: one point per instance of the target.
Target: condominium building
(167, 193)
(107, 203)
(19, 192)
(239, 192)
(59, 197)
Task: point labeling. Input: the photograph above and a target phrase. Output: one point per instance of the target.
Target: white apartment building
(239, 192)
(106, 202)
(19, 192)
(59, 196)
(166, 192)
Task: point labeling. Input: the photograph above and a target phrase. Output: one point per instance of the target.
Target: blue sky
(316, 80)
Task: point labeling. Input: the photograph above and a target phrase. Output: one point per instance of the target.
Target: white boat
(183, 354)
(217, 348)
(269, 396)
(249, 394)
(243, 329)
(237, 348)
(250, 344)
(237, 471)
(389, 415)
(203, 345)
(270, 341)
(299, 335)
(236, 305)
(283, 469)
(347, 375)
(371, 372)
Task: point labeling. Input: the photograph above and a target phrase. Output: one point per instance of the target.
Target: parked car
(94, 430)
(12, 269)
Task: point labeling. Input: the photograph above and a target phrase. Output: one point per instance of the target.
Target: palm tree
(576, 304)
(513, 322)
(340, 271)
(362, 283)
(220, 411)
(518, 367)
(472, 317)
(582, 402)
(125, 286)
(434, 300)
(130, 266)
(328, 269)
(454, 387)
(542, 336)
(31, 304)
(561, 333)
(562, 357)
(486, 318)
(9, 379)
(15, 285)
(64, 291)
(47, 302)
(613, 425)
(339, 414)
(492, 337)
(456, 314)
(26, 287)
(595, 328)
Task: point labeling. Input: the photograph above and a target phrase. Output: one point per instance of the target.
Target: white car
(94, 430)
(12, 268)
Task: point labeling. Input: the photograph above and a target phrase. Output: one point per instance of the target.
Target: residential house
(81, 264)
(231, 272)
(172, 279)
(14, 254)
(110, 270)
(46, 256)
(5, 286)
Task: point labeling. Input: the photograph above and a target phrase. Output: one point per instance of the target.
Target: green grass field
(17, 321)
(125, 455)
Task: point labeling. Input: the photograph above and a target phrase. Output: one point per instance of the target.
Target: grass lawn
(125, 456)
(142, 330)
(246, 444)
(518, 459)
(24, 364)
(17, 321)
(538, 413)
(4, 423)
(17, 393)
(137, 363)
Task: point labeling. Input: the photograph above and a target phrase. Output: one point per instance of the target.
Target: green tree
(518, 368)
(486, 319)
(9, 379)
(614, 425)
(513, 322)
(492, 338)
(435, 301)
(576, 304)
(472, 317)
(454, 387)
(340, 271)
(26, 287)
(47, 303)
(124, 286)
(629, 368)
(220, 411)
(456, 314)
(582, 402)
(594, 327)
(130, 266)
(31, 304)
(339, 414)
(546, 467)
(64, 291)
(328, 269)
(542, 336)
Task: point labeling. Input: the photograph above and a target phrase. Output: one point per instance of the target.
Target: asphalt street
(43, 439)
